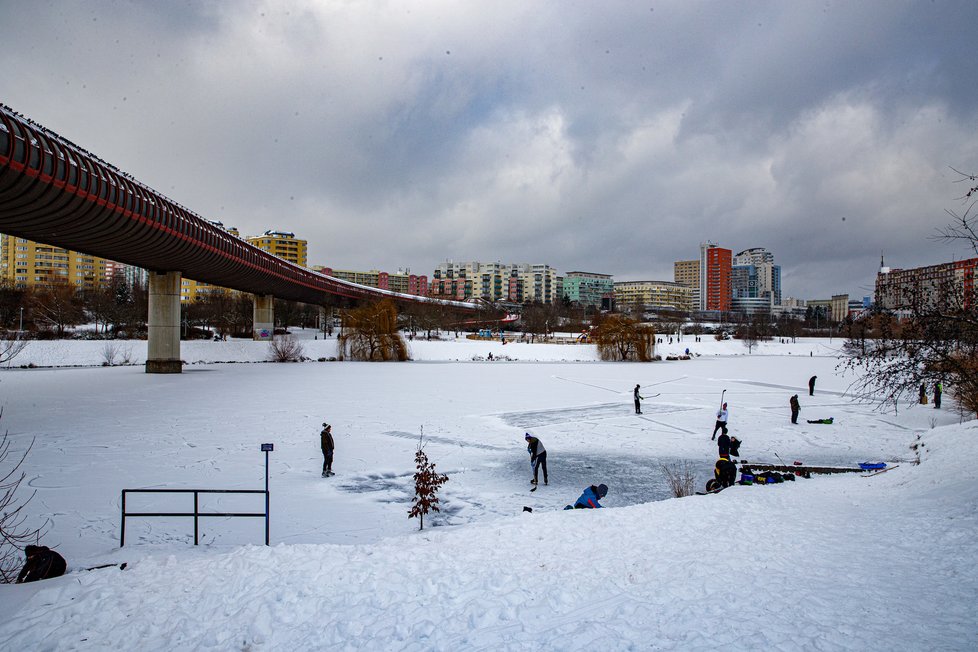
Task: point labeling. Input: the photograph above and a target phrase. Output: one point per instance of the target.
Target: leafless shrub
(114, 352)
(14, 535)
(10, 349)
(680, 477)
(283, 348)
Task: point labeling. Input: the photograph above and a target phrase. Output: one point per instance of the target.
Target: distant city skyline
(613, 138)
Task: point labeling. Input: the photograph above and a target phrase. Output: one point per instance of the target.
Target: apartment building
(653, 295)
(588, 289)
(28, 264)
(518, 283)
(687, 272)
(284, 245)
(933, 286)
(402, 281)
(755, 276)
(715, 287)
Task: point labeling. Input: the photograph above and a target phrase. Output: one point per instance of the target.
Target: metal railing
(196, 514)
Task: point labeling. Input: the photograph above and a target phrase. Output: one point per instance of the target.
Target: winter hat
(527, 436)
(724, 406)
(602, 490)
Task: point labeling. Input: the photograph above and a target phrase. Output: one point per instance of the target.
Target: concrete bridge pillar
(163, 345)
(264, 317)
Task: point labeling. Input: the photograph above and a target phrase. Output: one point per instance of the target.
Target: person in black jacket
(327, 445)
(638, 400)
(795, 408)
(811, 385)
(723, 444)
(42, 563)
(538, 457)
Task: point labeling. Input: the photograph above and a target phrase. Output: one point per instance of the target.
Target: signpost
(266, 448)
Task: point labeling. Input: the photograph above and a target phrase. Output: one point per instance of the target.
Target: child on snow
(589, 499)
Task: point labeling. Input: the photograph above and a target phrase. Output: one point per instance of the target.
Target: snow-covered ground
(834, 562)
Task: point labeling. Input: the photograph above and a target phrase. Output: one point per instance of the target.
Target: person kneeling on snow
(42, 563)
(725, 472)
(589, 499)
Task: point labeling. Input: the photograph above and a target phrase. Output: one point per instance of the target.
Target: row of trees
(114, 307)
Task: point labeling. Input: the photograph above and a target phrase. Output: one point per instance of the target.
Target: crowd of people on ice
(728, 447)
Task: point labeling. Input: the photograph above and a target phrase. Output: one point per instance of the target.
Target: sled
(872, 466)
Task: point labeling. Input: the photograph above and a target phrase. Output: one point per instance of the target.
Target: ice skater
(811, 385)
(638, 399)
(795, 408)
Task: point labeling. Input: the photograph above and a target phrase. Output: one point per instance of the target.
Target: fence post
(122, 536)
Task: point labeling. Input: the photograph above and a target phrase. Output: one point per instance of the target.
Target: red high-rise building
(718, 290)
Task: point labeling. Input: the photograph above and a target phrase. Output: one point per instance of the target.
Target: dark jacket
(723, 444)
(795, 406)
(535, 448)
(42, 563)
(326, 440)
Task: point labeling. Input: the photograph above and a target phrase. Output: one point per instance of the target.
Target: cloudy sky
(610, 137)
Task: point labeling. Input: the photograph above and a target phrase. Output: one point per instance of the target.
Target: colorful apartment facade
(27, 264)
(402, 282)
(517, 283)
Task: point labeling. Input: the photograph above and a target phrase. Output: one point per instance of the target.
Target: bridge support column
(163, 346)
(264, 317)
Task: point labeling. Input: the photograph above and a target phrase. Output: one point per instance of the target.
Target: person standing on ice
(638, 399)
(721, 423)
(327, 444)
(811, 385)
(723, 445)
(538, 457)
(795, 408)
(938, 390)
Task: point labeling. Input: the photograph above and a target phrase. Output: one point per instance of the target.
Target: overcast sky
(608, 137)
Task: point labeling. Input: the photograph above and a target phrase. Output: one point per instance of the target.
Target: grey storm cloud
(609, 137)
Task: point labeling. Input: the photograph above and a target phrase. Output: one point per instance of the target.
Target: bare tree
(58, 307)
(938, 342)
(756, 328)
(620, 337)
(370, 333)
(14, 533)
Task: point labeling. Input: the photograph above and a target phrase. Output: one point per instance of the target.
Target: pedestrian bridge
(55, 192)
